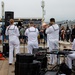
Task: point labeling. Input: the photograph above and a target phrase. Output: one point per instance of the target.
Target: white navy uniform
(14, 42)
(32, 34)
(71, 57)
(53, 36)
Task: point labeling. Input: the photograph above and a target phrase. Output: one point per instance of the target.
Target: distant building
(37, 21)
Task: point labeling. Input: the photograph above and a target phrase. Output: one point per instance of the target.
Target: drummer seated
(71, 57)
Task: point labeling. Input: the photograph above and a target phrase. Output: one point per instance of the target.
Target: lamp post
(43, 11)
(2, 4)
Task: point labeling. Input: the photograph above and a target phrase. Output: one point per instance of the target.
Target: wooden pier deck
(5, 68)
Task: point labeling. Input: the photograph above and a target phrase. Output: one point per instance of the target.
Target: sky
(58, 9)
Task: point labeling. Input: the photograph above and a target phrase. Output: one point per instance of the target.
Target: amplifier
(35, 68)
(43, 60)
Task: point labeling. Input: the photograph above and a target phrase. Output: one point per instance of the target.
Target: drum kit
(65, 52)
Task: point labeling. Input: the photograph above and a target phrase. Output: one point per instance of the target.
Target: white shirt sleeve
(37, 32)
(49, 30)
(26, 32)
(6, 32)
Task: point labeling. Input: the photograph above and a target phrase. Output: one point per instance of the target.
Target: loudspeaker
(24, 58)
(8, 15)
(6, 49)
(21, 68)
(28, 68)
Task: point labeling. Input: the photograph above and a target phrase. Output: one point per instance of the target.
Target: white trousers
(52, 46)
(47, 40)
(71, 57)
(31, 46)
(13, 45)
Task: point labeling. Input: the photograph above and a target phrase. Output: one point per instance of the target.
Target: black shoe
(10, 63)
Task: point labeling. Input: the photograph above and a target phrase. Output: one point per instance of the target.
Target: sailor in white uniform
(32, 34)
(53, 36)
(13, 33)
(71, 57)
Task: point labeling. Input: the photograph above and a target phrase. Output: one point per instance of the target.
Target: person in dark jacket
(73, 33)
(68, 33)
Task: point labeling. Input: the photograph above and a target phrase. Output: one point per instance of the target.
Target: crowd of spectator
(66, 34)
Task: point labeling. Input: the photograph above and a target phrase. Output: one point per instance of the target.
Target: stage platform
(6, 69)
